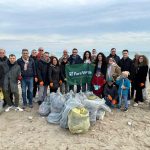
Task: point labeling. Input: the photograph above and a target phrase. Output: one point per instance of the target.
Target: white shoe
(18, 109)
(8, 108)
(140, 103)
(135, 104)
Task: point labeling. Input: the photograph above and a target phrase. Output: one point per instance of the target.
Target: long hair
(145, 60)
(104, 61)
(84, 55)
(53, 59)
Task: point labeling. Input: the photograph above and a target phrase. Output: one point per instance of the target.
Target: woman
(101, 63)
(86, 60)
(113, 70)
(55, 77)
(140, 79)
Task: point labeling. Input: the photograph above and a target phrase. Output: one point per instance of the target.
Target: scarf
(26, 63)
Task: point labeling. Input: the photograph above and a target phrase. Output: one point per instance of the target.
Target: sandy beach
(118, 131)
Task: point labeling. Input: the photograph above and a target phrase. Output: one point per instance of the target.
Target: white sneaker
(8, 108)
(18, 109)
(135, 104)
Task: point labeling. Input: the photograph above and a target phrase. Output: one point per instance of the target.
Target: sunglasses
(41, 50)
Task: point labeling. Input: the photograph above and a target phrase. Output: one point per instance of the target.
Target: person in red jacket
(98, 83)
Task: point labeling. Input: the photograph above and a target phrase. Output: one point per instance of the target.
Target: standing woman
(140, 79)
(86, 60)
(55, 76)
(101, 63)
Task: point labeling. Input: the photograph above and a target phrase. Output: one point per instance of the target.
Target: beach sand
(118, 131)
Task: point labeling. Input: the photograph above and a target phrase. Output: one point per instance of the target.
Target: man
(64, 56)
(93, 56)
(28, 73)
(42, 72)
(40, 53)
(126, 64)
(75, 59)
(35, 84)
(113, 55)
(13, 73)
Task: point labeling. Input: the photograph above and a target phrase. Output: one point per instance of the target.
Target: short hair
(1, 49)
(25, 50)
(12, 55)
(46, 53)
(125, 50)
(74, 49)
(113, 49)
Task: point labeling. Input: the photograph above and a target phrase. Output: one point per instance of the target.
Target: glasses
(25, 53)
(41, 50)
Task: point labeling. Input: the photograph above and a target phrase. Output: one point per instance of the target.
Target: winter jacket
(61, 59)
(4, 59)
(140, 76)
(100, 81)
(111, 90)
(116, 58)
(123, 81)
(126, 65)
(31, 70)
(113, 71)
(11, 77)
(62, 67)
(43, 70)
(103, 69)
(55, 76)
(76, 60)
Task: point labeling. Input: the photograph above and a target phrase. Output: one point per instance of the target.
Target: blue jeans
(27, 83)
(125, 99)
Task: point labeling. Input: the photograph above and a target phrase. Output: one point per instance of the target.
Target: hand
(109, 97)
(60, 82)
(51, 84)
(114, 101)
(123, 87)
(36, 79)
(142, 84)
(41, 83)
(19, 78)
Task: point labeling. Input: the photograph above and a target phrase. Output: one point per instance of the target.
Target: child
(124, 85)
(110, 94)
(98, 83)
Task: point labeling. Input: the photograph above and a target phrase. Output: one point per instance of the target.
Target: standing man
(40, 53)
(64, 56)
(126, 64)
(42, 72)
(13, 74)
(114, 56)
(75, 59)
(93, 56)
(28, 73)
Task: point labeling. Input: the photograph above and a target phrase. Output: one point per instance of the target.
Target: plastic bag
(78, 120)
(44, 109)
(100, 114)
(1, 94)
(1, 105)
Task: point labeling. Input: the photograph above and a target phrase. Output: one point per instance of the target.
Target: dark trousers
(53, 90)
(78, 88)
(139, 95)
(35, 87)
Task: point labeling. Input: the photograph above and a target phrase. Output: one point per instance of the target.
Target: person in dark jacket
(55, 76)
(13, 74)
(101, 64)
(75, 59)
(114, 56)
(64, 86)
(110, 94)
(64, 56)
(40, 53)
(42, 72)
(126, 64)
(28, 73)
(140, 79)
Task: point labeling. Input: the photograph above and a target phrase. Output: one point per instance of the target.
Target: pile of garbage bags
(76, 112)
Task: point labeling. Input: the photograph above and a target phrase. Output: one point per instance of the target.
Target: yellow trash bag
(1, 94)
(78, 120)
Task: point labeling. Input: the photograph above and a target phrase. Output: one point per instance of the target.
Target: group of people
(116, 79)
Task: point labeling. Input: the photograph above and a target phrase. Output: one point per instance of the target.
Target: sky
(84, 24)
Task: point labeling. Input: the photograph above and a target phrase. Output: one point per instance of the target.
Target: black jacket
(62, 67)
(116, 57)
(31, 70)
(77, 60)
(4, 59)
(140, 76)
(2, 74)
(126, 65)
(103, 69)
(55, 76)
(42, 71)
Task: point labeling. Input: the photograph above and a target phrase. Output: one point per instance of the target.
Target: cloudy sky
(84, 24)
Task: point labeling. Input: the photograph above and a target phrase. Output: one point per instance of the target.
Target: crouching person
(124, 85)
(13, 74)
(110, 94)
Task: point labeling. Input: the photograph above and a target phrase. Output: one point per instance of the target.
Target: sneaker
(125, 109)
(30, 106)
(8, 108)
(18, 109)
(135, 104)
(24, 106)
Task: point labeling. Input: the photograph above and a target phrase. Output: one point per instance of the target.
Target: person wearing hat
(110, 94)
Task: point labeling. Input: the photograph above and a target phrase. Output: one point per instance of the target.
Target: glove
(141, 84)
(36, 79)
(41, 83)
(51, 84)
(109, 97)
(60, 82)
